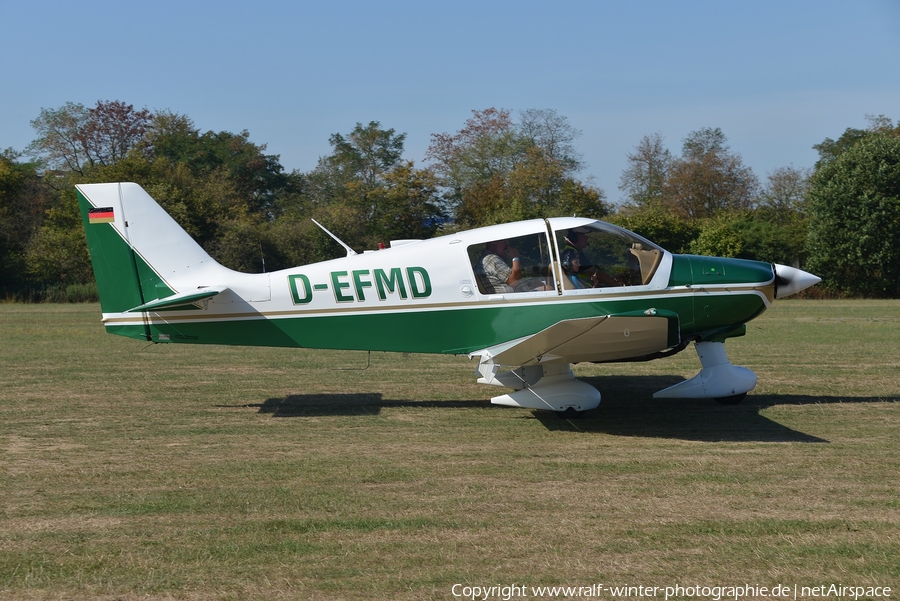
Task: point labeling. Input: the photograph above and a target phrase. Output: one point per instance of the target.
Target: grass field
(135, 471)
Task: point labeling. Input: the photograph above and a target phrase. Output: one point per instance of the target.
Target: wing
(596, 339)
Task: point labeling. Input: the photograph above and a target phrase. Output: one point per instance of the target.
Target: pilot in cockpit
(585, 274)
(571, 264)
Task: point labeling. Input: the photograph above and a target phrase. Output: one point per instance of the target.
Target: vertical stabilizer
(137, 249)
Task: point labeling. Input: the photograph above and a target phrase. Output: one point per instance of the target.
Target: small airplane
(526, 299)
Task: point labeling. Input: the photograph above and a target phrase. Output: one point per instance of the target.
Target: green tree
(367, 153)
(784, 194)
(495, 170)
(365, 193)
(648, 167)
(553, 135)
(409, 204)
(221, 187)
(830, 150)
(57, 254)
(473, 163)
(777, 229)
(854, 205)
(24, 201)
(59, 144)
(72, 138)
(256, 178)
(301, 242)
(708, 178)
(536, 187)
(658, 224)
(358, 169)
(763, 239)
(719, 237)
(747, 235)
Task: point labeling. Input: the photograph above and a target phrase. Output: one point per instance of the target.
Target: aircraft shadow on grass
(627, 409)
(317, 405)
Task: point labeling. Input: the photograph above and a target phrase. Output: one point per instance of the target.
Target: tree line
(840, 219)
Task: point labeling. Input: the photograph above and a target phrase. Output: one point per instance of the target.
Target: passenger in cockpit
(500, 276)
(495, 276)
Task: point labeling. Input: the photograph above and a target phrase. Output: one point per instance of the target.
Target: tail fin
(137, 249)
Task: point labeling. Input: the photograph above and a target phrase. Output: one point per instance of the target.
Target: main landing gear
(553, 387)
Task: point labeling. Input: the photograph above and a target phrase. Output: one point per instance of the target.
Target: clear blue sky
(777, 76)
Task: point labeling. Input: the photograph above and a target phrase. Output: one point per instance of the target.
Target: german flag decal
(101, 215)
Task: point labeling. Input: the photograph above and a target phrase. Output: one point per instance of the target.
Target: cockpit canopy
(628, 259)
(582, 255)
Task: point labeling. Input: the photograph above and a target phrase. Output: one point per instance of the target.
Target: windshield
(601, 255)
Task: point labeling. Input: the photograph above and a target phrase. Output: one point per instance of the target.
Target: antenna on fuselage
(350, 251)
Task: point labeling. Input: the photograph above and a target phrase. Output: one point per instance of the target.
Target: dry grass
(188, 472)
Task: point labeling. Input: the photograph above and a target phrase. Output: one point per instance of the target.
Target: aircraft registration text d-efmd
(527, 299)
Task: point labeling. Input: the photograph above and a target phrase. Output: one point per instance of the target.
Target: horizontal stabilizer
(595, 339)
(180, 300)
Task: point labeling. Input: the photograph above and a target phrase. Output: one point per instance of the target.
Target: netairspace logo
(706, 593)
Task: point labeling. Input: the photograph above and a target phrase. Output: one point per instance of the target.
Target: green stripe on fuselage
(453, 331)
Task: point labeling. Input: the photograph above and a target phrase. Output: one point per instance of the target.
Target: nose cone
(789, 280)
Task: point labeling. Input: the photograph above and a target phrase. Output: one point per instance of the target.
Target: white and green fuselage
(425, 296)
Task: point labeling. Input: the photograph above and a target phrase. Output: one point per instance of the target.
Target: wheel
(569, 413)
(731, 400)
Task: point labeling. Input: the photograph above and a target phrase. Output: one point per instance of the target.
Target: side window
(520, 264)
(595, 257)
